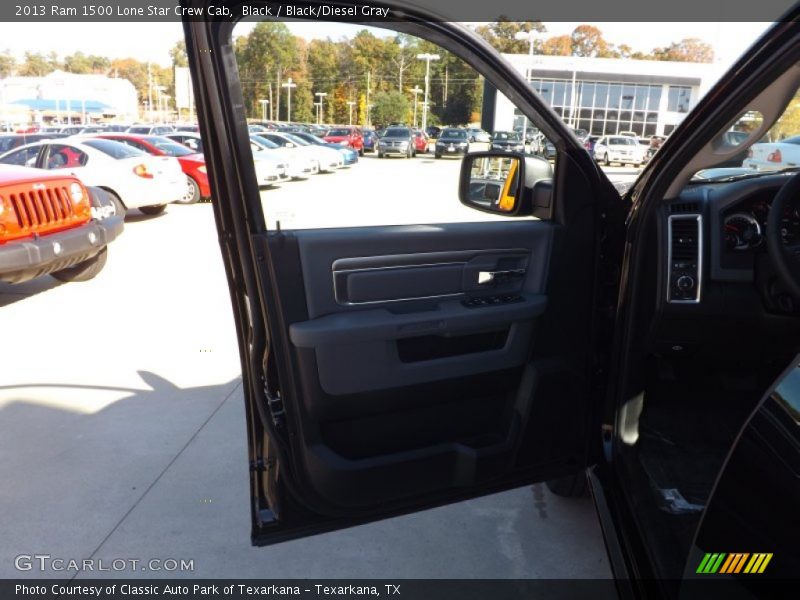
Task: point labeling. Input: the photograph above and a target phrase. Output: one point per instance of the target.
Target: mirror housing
(504, 183)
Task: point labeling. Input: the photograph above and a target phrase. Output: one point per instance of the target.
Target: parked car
(150, 129)
(349, 155)
(190, 139)
(397, 140)
(770, 156)
(589, 143)
(433, 131)
(135, 179)
(192, 163)
(510, 141)
(476, 134)
(644, 345)
(346, 136)
(619, 149)
(325, 159)
(15, 140)
(370, 138)
(50, 223)
(296, 165)
(420, 141)
(452, 141)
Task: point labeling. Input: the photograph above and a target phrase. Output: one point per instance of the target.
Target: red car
(420, 141)
(346, 136)
(192, 163)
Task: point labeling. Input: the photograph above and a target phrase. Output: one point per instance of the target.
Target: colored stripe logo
(732, 563)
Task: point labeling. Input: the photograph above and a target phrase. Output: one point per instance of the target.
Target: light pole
(289, 85)
(351, 104)
(264, 103)
(320, 112)
(159, 89)
(530, 36)
(416, 91)
(427, 58)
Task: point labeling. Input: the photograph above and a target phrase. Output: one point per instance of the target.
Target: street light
(264, 103)
(320, 112)
(427, 58)
(531, 36)
(351, 104)
(416, 91)
(159, 89)
(289, 85)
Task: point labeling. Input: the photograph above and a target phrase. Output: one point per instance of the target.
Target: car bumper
(22, 260)
(446, 150)
(394, 150)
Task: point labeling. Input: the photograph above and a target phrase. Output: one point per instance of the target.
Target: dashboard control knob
(685, 283)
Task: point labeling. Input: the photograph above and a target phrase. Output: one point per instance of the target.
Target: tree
(82, 63)
(687, 50)
(37, 64)
(178, 54)
(587, 40)
(560, 45)
(501, 34)
(8, 64)
(389, 107)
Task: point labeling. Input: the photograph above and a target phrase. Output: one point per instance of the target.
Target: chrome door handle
(495, 277)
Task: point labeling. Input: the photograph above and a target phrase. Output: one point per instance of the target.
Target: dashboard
(715, 235)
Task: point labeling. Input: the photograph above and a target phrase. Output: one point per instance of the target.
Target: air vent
(684, 207)
(685, 258)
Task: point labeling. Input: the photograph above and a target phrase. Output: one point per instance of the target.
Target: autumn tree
(560, 45)
(687, 50)
(8, 64)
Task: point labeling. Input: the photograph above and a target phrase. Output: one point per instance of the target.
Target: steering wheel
(785, 257)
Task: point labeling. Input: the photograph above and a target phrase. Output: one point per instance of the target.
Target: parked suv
(397, 140)
(53, 224)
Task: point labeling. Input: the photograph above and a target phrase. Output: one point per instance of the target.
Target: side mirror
(502, 182)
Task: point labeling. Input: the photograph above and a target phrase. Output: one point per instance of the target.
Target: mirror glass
(493, 182)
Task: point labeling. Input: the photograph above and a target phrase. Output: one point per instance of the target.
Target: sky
(117, 40)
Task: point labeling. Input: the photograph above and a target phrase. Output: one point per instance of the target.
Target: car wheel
(192, 194)
(361, 151)
(380, 154)
(84, 271)
(437, 155)
(119, 207)
(606, 162)
(570, 486)
(153, 209)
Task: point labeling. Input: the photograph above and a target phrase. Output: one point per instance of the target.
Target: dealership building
(64, 97)
(610, 95)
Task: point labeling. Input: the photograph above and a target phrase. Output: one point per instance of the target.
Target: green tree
(177, 54)
(36, 64)
(82, 63)
(501, 34)
(389, 107)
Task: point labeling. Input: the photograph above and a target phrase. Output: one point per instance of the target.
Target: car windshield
(506, 136)
(397, 132)
(264, 142)
(310, 138)
(338, 132)
(455, 134)
(113, 149)
(7, 142)
(296, 140)
(168, 147)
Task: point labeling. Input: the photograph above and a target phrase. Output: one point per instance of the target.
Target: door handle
(495, 277)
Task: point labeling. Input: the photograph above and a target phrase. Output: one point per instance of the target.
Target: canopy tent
(79, 105)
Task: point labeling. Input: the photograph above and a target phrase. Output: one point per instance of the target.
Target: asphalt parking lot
(122, 424)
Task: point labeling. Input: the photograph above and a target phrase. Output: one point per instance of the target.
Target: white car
(136, 179)
(771, 156)
(270, 169)
(619, 149)
(476, 134)
(300, 165)
(326, 159)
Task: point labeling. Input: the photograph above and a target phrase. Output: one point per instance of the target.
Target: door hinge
(262, 465)
(275, 405)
